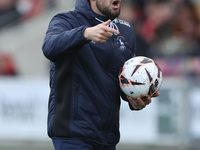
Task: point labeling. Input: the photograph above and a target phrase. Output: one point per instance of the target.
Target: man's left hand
(141, 102)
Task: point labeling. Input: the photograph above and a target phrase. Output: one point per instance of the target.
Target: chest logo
(121, 42)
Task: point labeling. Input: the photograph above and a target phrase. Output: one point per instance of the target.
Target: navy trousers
(78, 144)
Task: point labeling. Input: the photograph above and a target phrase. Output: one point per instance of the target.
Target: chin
(115, 15)
(111, 14)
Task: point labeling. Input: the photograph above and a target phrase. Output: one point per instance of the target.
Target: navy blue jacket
(84, 99)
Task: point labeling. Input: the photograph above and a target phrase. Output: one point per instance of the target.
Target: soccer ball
(140, 76)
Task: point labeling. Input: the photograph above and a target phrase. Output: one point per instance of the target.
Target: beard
(107, 12)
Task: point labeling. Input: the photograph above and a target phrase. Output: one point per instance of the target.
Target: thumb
(107, 22)
(155, 94)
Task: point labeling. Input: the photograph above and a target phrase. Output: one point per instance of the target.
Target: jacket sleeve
(132, 42)
(63, 37)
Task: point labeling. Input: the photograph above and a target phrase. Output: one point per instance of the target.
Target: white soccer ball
(140, 76)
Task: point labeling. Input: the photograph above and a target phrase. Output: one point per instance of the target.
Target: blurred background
(166, 30)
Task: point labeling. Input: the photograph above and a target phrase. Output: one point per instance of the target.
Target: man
(87, 47)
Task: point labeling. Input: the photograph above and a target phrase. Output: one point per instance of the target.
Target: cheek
(104, 4)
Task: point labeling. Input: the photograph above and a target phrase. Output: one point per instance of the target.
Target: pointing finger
(108, 29)
(113, 31)
(107, 22)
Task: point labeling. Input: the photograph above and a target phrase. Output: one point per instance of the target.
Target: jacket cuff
(123, 96)
(83, 30)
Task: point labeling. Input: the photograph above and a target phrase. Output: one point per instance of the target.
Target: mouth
(116, 4)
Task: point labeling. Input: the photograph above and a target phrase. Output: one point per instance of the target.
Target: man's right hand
(100, 33)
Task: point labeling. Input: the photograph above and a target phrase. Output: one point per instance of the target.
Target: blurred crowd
(15, 11)
(166, 30)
